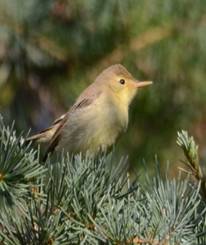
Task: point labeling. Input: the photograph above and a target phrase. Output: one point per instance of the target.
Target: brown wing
(53, 133)
(80, 104)
(56, 137)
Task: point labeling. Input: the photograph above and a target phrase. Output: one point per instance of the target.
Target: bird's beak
(140, 84)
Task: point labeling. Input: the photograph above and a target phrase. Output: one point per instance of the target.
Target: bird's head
(120, 83)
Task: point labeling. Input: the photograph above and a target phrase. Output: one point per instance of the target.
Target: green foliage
(76, 200)
(19, 165)
(191, 152)
(192, 162)
(51, 50)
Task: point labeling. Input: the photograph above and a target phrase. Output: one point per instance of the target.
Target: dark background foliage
(51, 50)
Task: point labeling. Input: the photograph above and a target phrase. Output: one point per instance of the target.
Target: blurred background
(51, 50)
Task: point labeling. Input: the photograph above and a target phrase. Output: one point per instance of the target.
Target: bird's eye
(122, 81)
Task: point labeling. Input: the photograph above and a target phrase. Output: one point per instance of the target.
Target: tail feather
(48, 133)
(34, 137)
(44, 136)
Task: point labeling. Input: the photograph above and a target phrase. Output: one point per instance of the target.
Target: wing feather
(53, 133)
(80, 104)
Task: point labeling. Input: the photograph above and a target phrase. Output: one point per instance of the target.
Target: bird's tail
(44, 136)
(47, 134)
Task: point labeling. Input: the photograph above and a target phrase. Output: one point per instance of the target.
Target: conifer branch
(190, 149)
(76, 200)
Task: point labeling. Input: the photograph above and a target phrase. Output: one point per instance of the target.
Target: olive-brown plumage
(98, 116)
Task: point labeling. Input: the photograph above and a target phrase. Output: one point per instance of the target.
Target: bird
(97, 118)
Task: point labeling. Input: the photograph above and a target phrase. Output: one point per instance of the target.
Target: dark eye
(122, 81)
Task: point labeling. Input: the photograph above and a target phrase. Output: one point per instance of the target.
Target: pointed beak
(141, 84)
